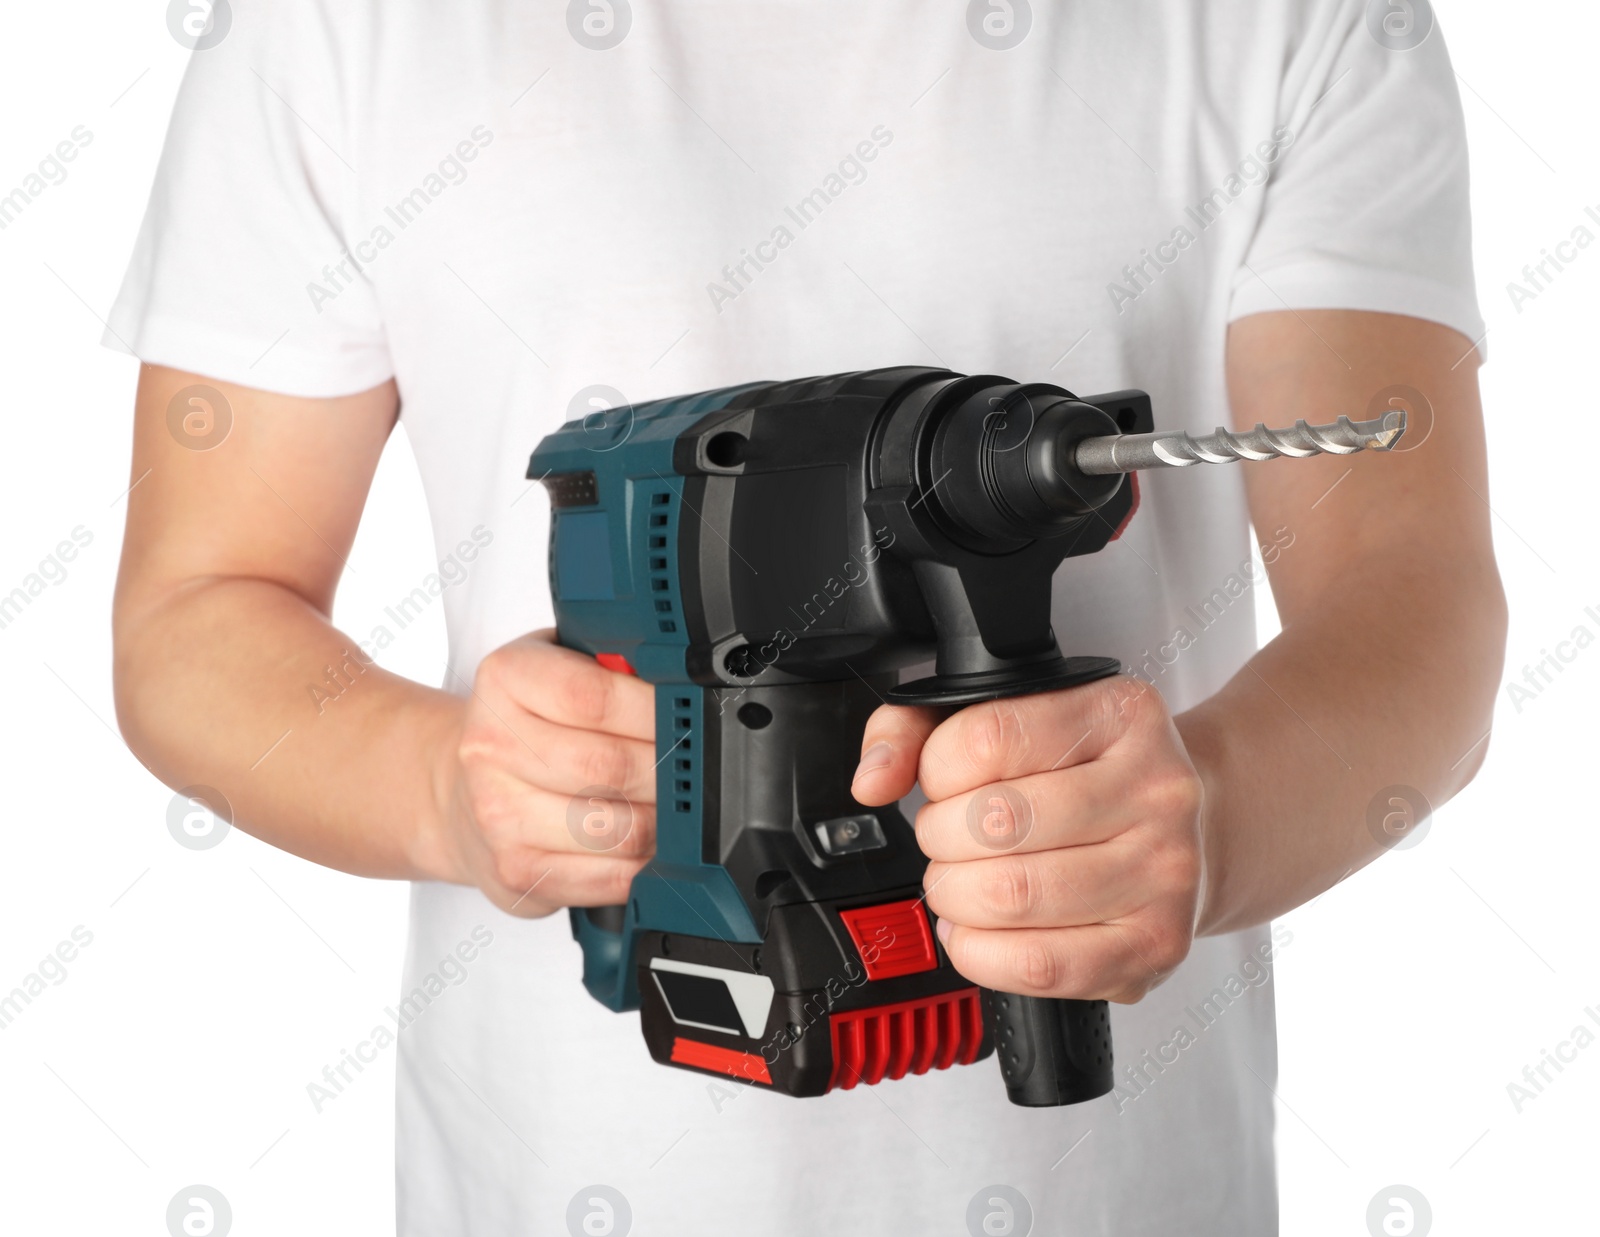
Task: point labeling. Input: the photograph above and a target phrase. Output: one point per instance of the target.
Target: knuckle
(1130, 701)
(584, 695)
(618, 883)
(478, 748)
(490, 668)
(986, 736)
(509, 867)
(1150, 700)
(1037, 965)
(640, 842)
(644, 836)
(1017, 729)
(1133, 992)
(1180, 870)
(604, 762)
(1009, 889)
(490, 811)
(1176, 795)
(496, 666)
(926, 828)
(1168, 944)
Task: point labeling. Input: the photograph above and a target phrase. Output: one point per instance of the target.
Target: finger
(568, 687)
(1057, 889)
(1003, 739)
(1074, 807)
(512, 816)
(1097, 962)
(560, 758)
(890, 750)
(532, 883)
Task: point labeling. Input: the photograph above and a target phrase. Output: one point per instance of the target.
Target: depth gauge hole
(726, 450)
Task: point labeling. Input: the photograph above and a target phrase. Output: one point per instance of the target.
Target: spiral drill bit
(1116, 453)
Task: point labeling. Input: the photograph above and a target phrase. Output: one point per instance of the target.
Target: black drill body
(775, 556)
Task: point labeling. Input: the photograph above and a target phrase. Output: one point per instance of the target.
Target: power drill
(770, 556)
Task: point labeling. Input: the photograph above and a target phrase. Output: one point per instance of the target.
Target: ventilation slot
(660, 578)
(683, 762)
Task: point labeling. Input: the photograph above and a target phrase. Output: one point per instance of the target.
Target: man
(478, 220)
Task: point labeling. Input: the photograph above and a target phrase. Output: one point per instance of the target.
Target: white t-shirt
(474, 200)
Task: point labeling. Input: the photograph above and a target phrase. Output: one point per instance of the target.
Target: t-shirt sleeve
(1368, 208)
(248, 217)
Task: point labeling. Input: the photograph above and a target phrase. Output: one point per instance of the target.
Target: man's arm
(221, 628)
(228, 572)
(1133, 830)
(1394, 620)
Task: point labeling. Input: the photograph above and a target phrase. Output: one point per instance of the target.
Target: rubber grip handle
(1051, 1052)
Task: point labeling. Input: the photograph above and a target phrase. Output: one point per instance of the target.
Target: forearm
(240, 684)
(1389, 681)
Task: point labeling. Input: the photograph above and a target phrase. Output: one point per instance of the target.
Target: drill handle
(1051, 1052)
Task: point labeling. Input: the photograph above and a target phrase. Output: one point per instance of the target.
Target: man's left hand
(1064, 833)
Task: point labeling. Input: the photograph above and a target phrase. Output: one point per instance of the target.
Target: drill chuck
(1001, 467)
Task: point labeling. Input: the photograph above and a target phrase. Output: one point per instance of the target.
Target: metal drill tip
(1394, 425)
(1175, 449)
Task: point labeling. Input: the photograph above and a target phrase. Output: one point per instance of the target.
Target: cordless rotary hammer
(770, 556)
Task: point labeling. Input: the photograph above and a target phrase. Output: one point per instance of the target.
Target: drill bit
(1175, 449)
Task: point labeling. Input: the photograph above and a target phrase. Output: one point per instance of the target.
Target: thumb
(890, 750)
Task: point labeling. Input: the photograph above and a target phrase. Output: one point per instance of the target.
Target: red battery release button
(892, 938)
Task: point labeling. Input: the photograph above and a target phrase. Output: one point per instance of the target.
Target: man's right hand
(551, 784)
(242, 511)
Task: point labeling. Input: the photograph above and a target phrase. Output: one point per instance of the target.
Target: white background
(219, 983)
